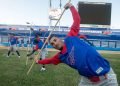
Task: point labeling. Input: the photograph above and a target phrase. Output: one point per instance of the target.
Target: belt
(98, 78)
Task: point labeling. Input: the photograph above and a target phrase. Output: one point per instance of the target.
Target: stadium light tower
(54, 13)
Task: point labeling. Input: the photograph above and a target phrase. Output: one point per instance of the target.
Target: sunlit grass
(13, 71)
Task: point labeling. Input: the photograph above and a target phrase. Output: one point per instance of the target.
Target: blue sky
(36, 12)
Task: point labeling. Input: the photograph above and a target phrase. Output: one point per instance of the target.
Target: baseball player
(13, 45)
(38, 45)
(93, 68)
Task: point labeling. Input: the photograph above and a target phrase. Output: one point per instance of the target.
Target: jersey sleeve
(53, 60)
(74, 29)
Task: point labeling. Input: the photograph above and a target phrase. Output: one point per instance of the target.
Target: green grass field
(13, 71)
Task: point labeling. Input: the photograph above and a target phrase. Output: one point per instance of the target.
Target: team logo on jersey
(71, 56)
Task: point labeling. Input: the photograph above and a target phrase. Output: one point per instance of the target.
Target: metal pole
(46, 40)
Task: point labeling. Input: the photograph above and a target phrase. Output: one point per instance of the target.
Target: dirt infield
(52, 49)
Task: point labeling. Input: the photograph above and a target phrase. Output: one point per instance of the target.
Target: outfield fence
(99, 44)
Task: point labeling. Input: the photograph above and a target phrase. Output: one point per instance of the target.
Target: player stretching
(93, 68)
(13, 45)
(38, 45)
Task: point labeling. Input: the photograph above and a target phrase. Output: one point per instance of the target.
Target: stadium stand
(101, 41)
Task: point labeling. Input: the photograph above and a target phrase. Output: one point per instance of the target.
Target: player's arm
(54, 60)
(74, 30)
(35, 32)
